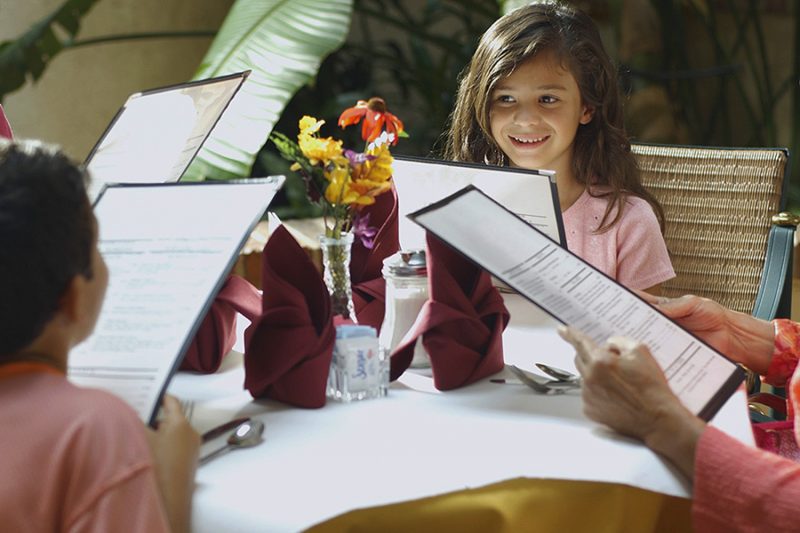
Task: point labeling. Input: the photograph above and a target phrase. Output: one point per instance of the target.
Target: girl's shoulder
(604, 194)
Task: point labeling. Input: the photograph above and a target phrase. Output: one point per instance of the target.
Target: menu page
(157, 133)
(531, 194)
(575, 293)
(169, 248)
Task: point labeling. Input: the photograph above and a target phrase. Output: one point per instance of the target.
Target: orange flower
(375, 116)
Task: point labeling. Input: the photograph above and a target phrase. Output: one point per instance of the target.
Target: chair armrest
(773, 401)
(774, 299)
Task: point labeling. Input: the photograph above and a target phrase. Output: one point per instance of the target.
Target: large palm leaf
(283, 42)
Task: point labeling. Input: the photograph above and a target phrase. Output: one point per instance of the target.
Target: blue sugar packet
(352, 331)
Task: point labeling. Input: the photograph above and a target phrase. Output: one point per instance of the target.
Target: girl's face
(535, 112)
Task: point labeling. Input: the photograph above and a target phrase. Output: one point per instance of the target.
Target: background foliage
(707, 72)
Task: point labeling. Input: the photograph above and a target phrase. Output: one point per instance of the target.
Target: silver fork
(188, 409)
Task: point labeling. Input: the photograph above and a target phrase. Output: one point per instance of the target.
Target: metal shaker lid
(406, 263)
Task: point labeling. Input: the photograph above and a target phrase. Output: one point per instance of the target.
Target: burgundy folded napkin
(461, 324)
(369, 288)
(217, 332)
(288, 348)
(5, 127)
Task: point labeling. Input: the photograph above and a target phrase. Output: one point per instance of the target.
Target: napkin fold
(217, 333)
(369, 289)
(5, 127)
(288, 348)
(461, 324)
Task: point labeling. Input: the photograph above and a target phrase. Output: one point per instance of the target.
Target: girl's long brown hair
(601, 151)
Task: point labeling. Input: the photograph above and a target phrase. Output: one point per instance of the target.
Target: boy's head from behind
(47, 238)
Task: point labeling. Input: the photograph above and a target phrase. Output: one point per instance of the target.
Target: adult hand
(743, 338)
(175, 446)
(625, 389)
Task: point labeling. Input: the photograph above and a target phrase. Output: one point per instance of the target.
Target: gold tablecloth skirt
(526, 505)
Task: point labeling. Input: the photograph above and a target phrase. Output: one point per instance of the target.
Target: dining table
(490, 456)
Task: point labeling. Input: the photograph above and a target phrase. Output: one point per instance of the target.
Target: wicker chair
(725, 230)
(723, 239)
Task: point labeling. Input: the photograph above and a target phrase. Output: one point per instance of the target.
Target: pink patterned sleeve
(785, 354)
(738, 488)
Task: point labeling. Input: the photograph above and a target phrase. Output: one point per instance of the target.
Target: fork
(188, 409)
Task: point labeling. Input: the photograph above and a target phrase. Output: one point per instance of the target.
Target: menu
(531, 194)
(156, 134)
(169, 248)
(577, 294)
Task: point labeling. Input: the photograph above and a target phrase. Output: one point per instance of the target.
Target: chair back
(718, 204)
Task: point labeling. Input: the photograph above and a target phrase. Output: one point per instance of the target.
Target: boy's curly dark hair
(46, 237)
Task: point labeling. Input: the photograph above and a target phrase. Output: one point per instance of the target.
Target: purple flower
(363, 231)
(357, 158)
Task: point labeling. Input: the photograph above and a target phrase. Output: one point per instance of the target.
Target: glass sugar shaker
(406, 278)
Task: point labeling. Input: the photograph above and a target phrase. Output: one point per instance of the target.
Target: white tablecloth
(315, 464)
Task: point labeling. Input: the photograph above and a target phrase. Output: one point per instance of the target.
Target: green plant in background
(25, 58)
(408, 55)
(283, 43)
(412, 52)
(718, 75)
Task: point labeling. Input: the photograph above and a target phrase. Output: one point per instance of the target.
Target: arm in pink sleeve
(740, 488)
(5, 127)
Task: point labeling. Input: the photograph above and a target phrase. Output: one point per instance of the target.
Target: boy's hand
(175, 446)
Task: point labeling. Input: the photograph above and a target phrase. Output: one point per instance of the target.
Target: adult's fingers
(171, 406)
(679, 307)
(621, 345)
(583, 345)
(649, 298)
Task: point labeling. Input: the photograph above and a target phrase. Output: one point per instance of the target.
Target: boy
(71, 458)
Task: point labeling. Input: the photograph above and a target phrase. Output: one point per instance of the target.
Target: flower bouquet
(344, 181)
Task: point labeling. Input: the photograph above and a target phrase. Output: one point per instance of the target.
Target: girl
(541, 93)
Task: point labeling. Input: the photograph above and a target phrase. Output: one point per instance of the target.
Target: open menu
(530, 194)
(156, 134)
(169, 248)
(577, 294)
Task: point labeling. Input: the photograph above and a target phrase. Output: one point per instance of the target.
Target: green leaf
(26, 57)
(283, 42)
(511, 5)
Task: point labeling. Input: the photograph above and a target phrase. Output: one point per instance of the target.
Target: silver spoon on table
(557, 373)
(246, 434)
(541, 388)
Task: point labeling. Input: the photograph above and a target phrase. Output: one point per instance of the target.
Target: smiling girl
(542, 93)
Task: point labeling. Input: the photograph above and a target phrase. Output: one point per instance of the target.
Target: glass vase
(336, 273)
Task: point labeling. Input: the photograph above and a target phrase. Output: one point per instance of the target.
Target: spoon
(247, 434)
(559, 374)
(541, 388)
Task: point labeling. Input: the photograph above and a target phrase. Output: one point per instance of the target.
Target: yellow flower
(310, 125)
(378, 169)
(340, 193)
(316, 149)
